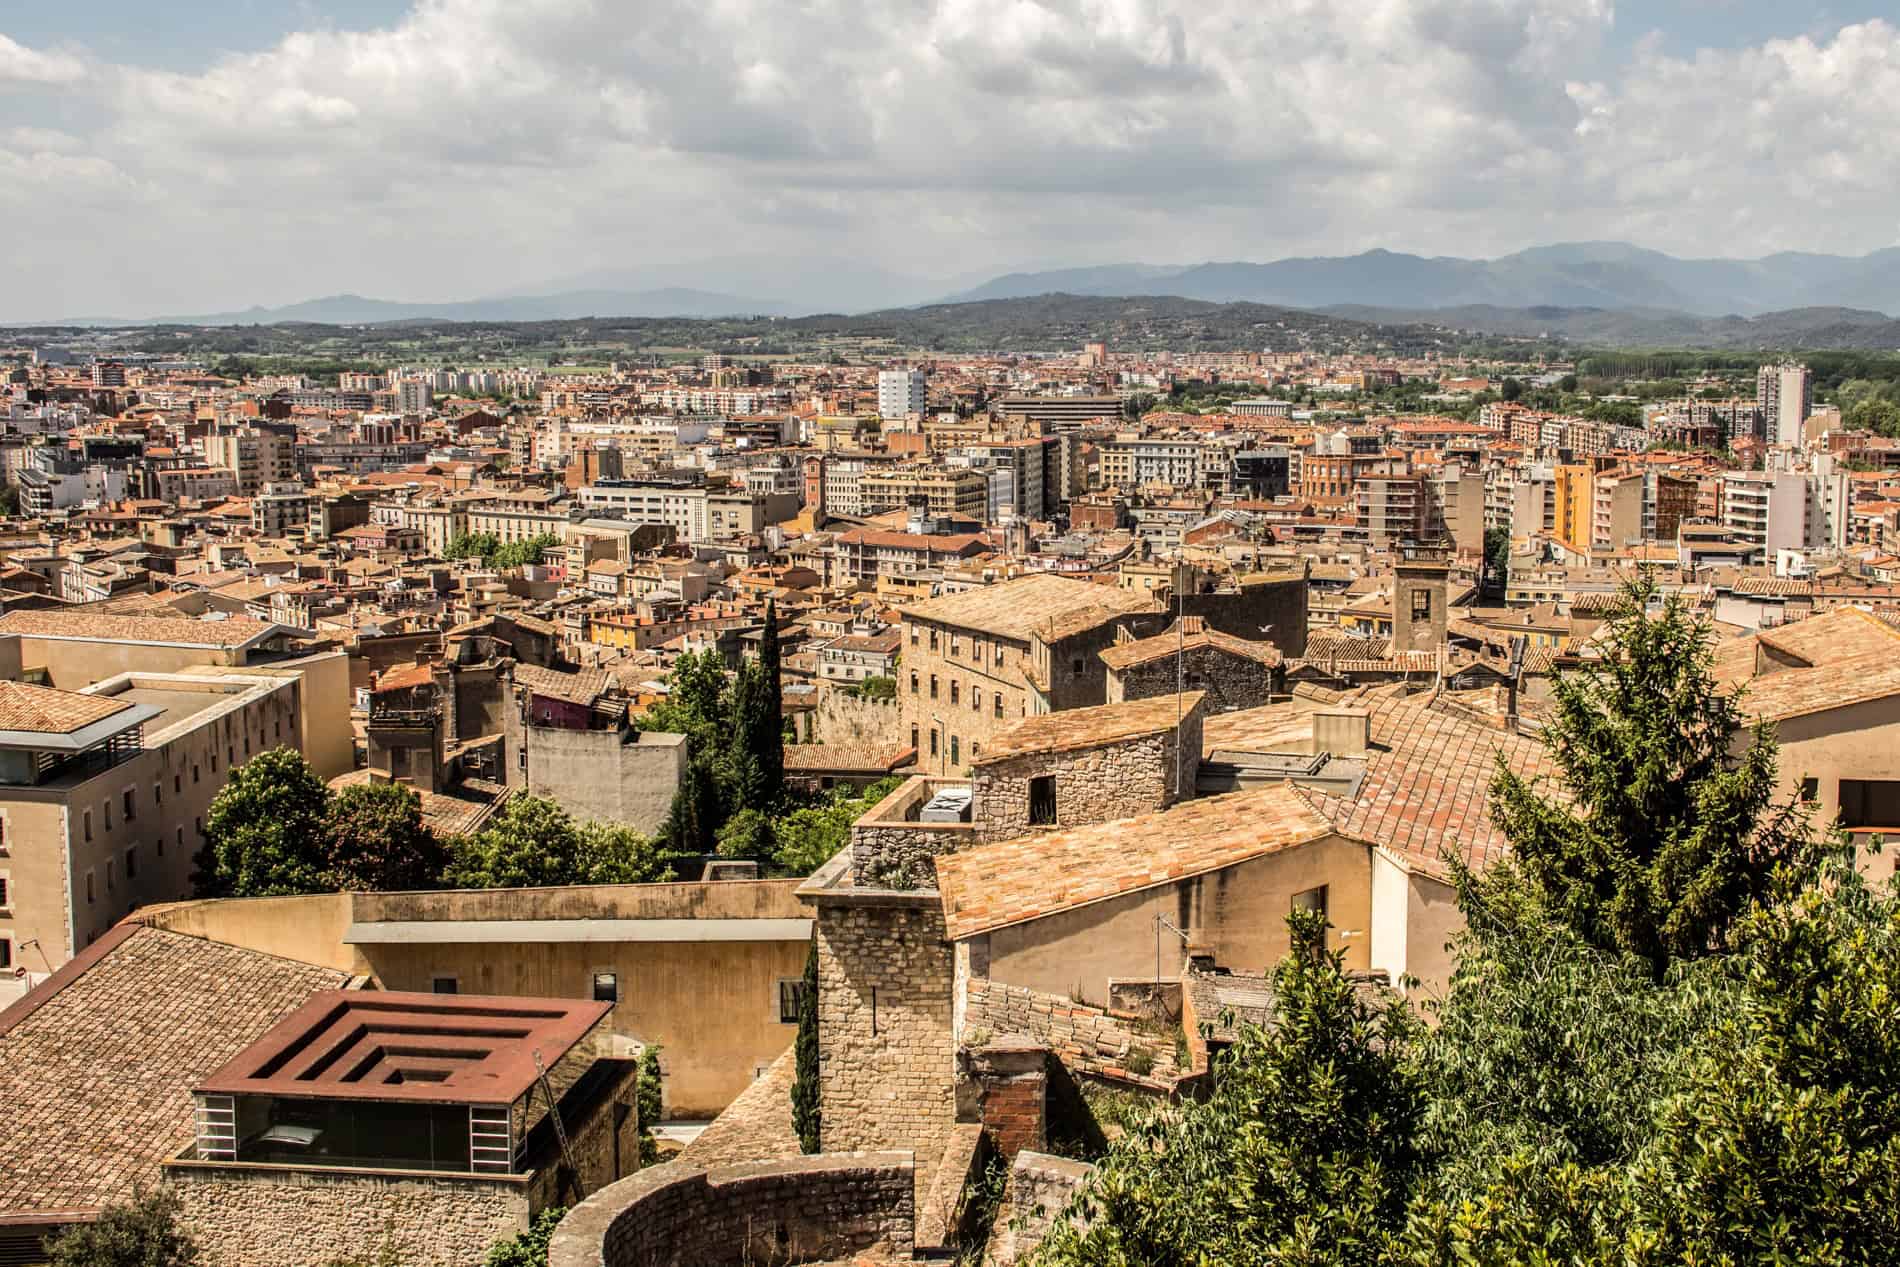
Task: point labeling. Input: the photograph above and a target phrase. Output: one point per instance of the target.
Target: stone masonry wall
(265, 1216)
(806, 1209)
(1093, 785)
(1086, 1039)
(1040, 1190)
(888, 1066)
(1230, 681)
(890, 849)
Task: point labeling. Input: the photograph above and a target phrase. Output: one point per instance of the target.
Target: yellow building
(1573, 495)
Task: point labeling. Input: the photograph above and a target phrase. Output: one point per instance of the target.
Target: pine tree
(1669, 837)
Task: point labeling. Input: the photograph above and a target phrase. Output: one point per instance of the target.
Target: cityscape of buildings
(1154, 648)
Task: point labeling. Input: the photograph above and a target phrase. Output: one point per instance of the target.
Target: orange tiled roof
(1075, 728)
(44, 710)
(997, 885)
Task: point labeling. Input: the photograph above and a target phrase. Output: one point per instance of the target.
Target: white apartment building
(900, 393)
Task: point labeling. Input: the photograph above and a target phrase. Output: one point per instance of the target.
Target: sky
(256, 152)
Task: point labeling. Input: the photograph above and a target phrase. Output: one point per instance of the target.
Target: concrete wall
(286, 1216)
(71, 665)
(1861, 741)
(308, 928)
(712, 1007)
(1239, 913)
(801, 1210)
(324, 732)
(593, 774)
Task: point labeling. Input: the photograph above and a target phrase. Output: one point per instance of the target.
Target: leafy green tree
(529, 1248)
(143, 1232)
(480, 545)
(265, 833)
(1666, 838)
(377, 842)
(531, 842)
(694, 818)
(806, 839)
(806, 1114)
(747, 834)
(1497, 557)
(614, 853)
(1511, 389)
(1305, 1153)
(772, 749)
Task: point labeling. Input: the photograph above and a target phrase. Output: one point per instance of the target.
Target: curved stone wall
(795, 1210)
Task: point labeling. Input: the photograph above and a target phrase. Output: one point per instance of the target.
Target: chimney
(1344, 732)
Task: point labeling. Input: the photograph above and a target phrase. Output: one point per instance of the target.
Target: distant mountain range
(1598, 275)
(1588, 292)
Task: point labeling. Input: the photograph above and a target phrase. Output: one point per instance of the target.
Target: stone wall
(755, 1127)
(884, 989)
(1039, 1192)
(1230, 681)
(1092, 785)
(807, 1209)
(846, 719)
(890, 849)
(1087, 1039)
(287, 1216)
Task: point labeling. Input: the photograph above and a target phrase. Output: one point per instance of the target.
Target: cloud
(22, 65)
(476, 146)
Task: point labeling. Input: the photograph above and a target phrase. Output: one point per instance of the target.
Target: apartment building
(104, 792)
(900, 393)
(946, 492)
(1784, 396)
(1129, 462)
(280, 510)
(256, 455)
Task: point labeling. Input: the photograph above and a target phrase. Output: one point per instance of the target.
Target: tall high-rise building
(900, 393)
(1784, 394)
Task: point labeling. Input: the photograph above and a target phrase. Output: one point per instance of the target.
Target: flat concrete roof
(175, 706)
(439, 932)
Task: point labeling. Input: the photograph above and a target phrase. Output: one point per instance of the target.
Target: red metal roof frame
(377, 1045)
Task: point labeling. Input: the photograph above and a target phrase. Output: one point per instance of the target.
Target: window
(105, 807)
(444, 985)
(131, 809)
(913, 682)
(158, 793)
(132, 862)
(1042, 801)
(194, 772)
(6, 953)
(158, 844)
(789, 988)
(933, 686)
(606, 987)
(956, 645)
(4, 895)
(89, 892)
(933, 743)
(521, 758)
(178, 782)
(998, 698)
(1313, 900)
(1421, 604)
(212, 757)
(954, 759)
(913, 736)
(976, 699)
(112, 875)
(1075, 667)
(198, 827)
(933, 639)
(913, 635)
(1810, 790)
(956, 692)
(181, 838)
(399, 760)
(86, 820)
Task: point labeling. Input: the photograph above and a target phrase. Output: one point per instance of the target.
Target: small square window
(1313, 900)
(443, 985)
(606, 987)
(1810, 790)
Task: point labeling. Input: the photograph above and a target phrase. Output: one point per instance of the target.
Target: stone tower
(1418, 598)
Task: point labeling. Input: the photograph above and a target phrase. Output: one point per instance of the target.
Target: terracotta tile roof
(1043, 606)
(1076, 728)
(1798, 692)
(117, 628)
(1844, 633)
(96, 1070)
(993, 886)
(866, 757)
(582, 687)
(1427, 782)
(43, 710)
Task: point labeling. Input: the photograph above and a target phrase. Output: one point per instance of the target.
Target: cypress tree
(805, 1099)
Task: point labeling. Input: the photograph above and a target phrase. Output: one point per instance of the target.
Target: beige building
(255, 456)
(103, 797)
(946, 492)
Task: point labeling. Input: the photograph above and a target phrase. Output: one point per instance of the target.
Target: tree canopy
(377, 842)
(143, 1232)
(264, 834)
(532, 842)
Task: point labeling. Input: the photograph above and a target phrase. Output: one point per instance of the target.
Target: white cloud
(22, 65)
(478, 145)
